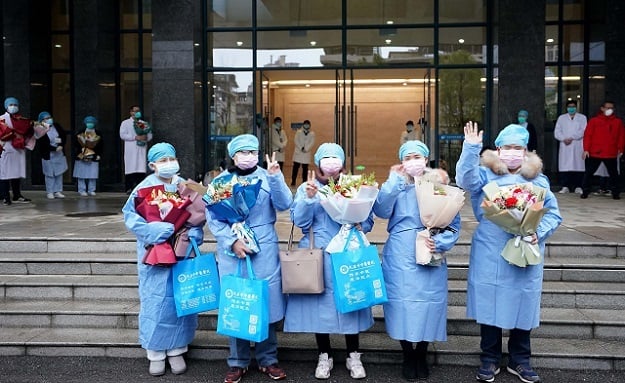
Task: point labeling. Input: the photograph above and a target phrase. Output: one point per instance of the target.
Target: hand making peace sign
(273, 167)
(311, 186)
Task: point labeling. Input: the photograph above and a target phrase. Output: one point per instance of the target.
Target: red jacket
(604, 136)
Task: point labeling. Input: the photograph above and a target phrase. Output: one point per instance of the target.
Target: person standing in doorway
(522, 117)
(570, 128)
(304, 142)
(87, 165)
(135, 133)
(410, 134)
(53, 162)
(278, 141)
(13, 156)
(604, 142)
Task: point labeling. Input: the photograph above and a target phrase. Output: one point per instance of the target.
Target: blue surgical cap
(90, 119)
(512, 134)
(160, 150)
(523, 113)
(10, 100)
(242, 142)
(414, 146)
(43, 115)
(329, 150)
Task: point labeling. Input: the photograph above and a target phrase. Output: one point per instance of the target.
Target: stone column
(172, 66)
(615, 54)
(521, 39)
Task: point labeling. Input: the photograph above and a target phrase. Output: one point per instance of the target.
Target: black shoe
(616, 196)
(409, 371)
(6, 202)
(21, 199)
(583, 195)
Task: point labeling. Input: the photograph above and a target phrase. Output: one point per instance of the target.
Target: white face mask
(414, 167)
(608, 112)
(167, 169)
(331, 166)
(12, 109)
(409, 128)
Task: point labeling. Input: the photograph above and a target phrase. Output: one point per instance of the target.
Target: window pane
(471, 40)
(573, 10)
(295, 49)
(551, 10)
(389, 46)
(147, 14)
(147, 49)
(573, 43)
(60, 51)
(230, 49)
(59, 15)
(596, 89)
(551, 43)
(551, 93)
(461, 11)
(382, 12)
(129, 91)
(231, 13)
(129, 14)
(596, 46)
(572, 84)
(129, 50)
(297, 13)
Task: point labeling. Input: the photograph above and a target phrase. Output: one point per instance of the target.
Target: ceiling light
(389, 22)
(388, 41)
(550, 40)
(461, 41)
(239, 43)
(196, 44)
(57, 45)
(313, 43)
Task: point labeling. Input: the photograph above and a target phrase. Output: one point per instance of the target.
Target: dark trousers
(15, 184)
(132, 180)
(323, 343)
(296, 170)
(4, 190)
(571, 180)
(519, 346)
(592, 164)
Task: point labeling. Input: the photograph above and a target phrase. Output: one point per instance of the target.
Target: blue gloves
(197, 233)
(158, 232)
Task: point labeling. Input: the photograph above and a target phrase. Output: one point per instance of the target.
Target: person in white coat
(12, 158)
(570, 128)
(135, 149)
(410, 134)
(304, 142)
(278, 141)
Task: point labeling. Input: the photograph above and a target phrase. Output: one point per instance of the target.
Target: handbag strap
(193, 247)
(250, 270)
(311, 241)
(353, 231)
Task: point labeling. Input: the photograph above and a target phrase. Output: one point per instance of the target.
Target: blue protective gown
(317, 313)
(159, 327)
(273, 195)
(417, 295)
(498, 293)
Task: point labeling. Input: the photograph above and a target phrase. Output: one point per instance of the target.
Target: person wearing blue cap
(87, 165)
(308, 214)
(274, 195)
(13, 154)
(522, 119)
(135, 147)
(501, 295)
(51, 148)
(163, 334)
(416, 311)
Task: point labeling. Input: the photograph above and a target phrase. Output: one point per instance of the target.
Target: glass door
(346, 117)
(264, 115)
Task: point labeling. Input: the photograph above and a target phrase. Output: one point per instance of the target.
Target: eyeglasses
(248, 152)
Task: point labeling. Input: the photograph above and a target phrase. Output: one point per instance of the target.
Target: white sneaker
(92, 194)
(83, 194)
(324, 366)
(177, 364)
(59, 195)
(355, 367)
(578, 191)
(50, 195)
(157, 367)
(564, 190)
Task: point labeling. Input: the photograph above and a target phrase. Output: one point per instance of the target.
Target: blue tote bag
(357, 276)
(244, 305)
(195, 282)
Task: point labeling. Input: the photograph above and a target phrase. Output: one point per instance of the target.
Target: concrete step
(378, 348)
(555, 322)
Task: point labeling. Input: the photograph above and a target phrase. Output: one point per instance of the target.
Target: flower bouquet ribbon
(141, 128)
(348, 202)
(154, 204)
(438, 206)
(517, 209)
(230, 198)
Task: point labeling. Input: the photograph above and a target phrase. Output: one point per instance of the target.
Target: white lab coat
(303, 146)
(135, 156)
(570, 156)
(12, 161)
(278, 142)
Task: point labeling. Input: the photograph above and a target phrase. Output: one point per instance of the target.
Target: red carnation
(511, 202)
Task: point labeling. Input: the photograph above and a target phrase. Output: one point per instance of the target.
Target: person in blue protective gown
(416, 310)
(51, 147)
(161, 332)
(501, 295)
(317, 313)
(274, 195)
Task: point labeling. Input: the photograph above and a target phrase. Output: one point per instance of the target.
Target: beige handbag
(302, 269)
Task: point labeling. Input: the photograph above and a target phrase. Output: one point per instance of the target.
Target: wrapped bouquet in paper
(154, 204)
(230, 198)
(517, 209)
(88, 142)
(348, 202)
(197, 209)
(438, 206)
(40, 130)
(141, 128)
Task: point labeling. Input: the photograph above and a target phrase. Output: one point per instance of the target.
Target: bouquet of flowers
(438, 206)
(348, 202)
(22, 133)
(192, 191)
(517, 209)
(141, 128)
(88, 142)
(230, 198)
(154, 204)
